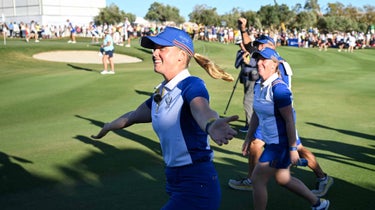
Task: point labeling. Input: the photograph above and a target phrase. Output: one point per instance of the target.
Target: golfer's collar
(270, 80)
(178, 78)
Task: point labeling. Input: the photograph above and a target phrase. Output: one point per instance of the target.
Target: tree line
(336, 17)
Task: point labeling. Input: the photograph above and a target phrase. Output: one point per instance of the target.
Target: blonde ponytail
(212, 69)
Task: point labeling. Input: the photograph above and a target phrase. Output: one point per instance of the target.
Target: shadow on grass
(79, 68)
(347, 132)
(344, 153)
(129, 135)
(14, 178)
(120, 178)
(107, 177)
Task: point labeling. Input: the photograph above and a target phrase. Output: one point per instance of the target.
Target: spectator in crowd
(4, 28)
(323, 42)
(340, 42)
(16, 29)
(32, 33)
(351, 42)
(128, 32)
(93, 30)
(10, 29)
(23, 30)
(73, 32)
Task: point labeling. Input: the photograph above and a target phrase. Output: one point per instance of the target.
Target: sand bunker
(77, 56)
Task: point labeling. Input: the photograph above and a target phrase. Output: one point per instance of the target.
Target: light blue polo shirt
(108, 38)
(182, 141)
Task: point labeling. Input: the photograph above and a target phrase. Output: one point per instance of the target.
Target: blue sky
(140, 7)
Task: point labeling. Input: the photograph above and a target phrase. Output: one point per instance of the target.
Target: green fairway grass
(48, 110)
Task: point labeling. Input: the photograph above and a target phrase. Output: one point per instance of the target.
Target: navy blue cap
(267, 53)
(170, 36)
(265, 39)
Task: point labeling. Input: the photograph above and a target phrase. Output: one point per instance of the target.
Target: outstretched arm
(141, 115)
(209, 121)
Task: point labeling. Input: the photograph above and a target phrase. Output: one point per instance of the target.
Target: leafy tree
(161, 13)
(276, 15)
(313, 6)
(268, 16)
(112, 15)
(252, 19)
(322, 24)
(337, 16)
(297, 8)
(340, 23)
(335, 9)
(355, 18)
(154, 12)
(286, 16)
(352, 12)
(305, 20)
(232, 18)
(369, 15)
(202, 14)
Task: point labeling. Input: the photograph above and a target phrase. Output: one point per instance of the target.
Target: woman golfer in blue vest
(273, 113)
(182, 119)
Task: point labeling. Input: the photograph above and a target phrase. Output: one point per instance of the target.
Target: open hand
(221, 132)
(102, 132)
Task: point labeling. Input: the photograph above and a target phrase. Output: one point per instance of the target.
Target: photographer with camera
(253, 145)
(249, 72)
(248, 75)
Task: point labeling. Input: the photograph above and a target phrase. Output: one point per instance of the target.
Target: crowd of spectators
(315, 38)
(22, 30)
(305, 38)
(310, 38)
